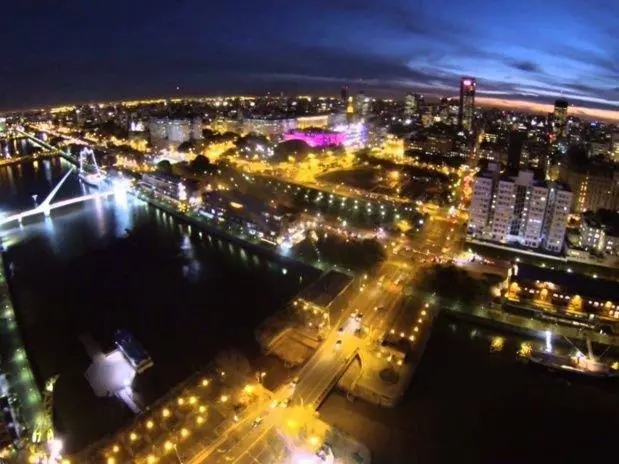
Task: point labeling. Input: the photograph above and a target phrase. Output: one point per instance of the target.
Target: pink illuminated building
(317, 138)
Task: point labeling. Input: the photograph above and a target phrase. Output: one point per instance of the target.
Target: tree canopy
(452, 284)
(186, 146)
(164, 166)
(201, 164)
(296, 148)
(351, 254)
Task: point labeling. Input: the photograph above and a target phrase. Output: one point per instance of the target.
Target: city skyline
(214, 280)
(521, 51)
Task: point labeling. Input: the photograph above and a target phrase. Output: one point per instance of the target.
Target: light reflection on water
(175, 286)
(192, 267)
(71, 230)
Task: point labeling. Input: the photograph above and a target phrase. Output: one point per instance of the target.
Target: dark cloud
(60, 50)
(526, 66)
(405, 17)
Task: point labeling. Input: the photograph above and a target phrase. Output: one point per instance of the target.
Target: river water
(469, 403)
(184, 296)
(97, 266)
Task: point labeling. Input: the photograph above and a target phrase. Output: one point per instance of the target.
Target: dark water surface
(470, 404)
(116, 263)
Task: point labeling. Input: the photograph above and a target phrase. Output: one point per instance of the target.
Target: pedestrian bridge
(46, 206)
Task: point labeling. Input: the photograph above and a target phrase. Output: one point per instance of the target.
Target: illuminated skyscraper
(561, 111)
(519, 210)
(466, 111)
(350, 109)
(560, 116)
(410, 104)
(362, 104)
(344, 93)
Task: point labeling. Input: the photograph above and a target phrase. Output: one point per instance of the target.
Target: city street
(378, 299)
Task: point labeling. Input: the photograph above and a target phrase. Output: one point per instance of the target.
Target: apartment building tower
(519, 210)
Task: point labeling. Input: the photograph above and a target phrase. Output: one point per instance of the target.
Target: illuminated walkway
(21, 381)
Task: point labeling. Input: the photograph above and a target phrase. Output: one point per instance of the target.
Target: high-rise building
(560, 111)
(158, 129)
(197, 126)
(344, 93)
(482, 200)
(362, 104)
(560, 117)
(614, 139)
(174, 131)
(559, 203)
(179, 130)
(420, 101)
(350, 110)
(271, 127)
(595, 185)
(519, 210)
(466, 111)
(514, 151)
(410, 104)
(599, 232)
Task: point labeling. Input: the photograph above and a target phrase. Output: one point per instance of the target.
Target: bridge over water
(46, 206)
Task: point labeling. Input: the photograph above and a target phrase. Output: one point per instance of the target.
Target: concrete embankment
(26, 159)
(386, 373)
(497, 319)
(15, 363)
(263, 249)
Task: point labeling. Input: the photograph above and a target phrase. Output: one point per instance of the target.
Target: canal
(101, 265)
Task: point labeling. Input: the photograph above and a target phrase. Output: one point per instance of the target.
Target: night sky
(58, 51)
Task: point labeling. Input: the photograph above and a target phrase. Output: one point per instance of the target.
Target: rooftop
(603, 219)
(324, 290)
(579, 284)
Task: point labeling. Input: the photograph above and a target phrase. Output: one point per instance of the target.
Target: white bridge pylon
(48, 199)
(88, 154)
(46, 205)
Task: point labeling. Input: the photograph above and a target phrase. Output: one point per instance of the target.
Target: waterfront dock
(495, 317)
